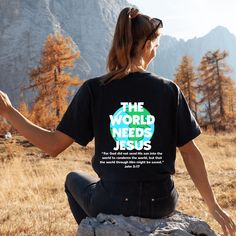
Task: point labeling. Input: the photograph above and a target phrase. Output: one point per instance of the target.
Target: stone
(8, 135)
(178, 224)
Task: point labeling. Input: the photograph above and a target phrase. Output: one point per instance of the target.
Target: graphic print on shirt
(132, 127)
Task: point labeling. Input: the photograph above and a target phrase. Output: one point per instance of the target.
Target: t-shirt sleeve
(77, 120)
(187, 126)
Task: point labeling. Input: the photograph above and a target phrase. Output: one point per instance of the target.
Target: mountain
(25, 25)
(171, 50)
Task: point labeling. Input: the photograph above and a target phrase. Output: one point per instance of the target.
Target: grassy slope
(32, 198)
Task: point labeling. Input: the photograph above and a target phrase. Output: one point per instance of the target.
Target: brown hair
(132, 28)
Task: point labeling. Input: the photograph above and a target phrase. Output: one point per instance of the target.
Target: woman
(138, 119)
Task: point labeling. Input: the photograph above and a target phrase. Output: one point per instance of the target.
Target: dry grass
(32, 198)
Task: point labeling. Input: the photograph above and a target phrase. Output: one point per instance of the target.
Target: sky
(187, 19)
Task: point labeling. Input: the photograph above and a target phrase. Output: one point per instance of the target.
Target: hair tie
(133, 12)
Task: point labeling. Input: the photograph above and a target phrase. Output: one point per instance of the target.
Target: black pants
(88, 196)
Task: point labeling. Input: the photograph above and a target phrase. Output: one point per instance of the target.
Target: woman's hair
(132, 29)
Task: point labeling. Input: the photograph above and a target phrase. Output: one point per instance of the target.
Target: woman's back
(137, 122)
(138, 119)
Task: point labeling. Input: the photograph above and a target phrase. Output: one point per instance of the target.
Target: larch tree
(23, 107)
(52, 80)
(186, 79)
(230, 103)
(216, 90)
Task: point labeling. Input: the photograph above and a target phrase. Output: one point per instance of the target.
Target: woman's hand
(50, 142)
(195, 165)
(223, 218)
(5, 103)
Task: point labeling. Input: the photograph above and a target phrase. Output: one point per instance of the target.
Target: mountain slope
(25, 25)
(171, 50)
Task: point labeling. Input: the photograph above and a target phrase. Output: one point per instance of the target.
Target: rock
(178, 224)
(8, 135)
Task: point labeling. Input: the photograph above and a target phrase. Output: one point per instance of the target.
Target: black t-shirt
(137, 122)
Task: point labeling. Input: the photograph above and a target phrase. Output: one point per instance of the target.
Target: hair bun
(133, 12)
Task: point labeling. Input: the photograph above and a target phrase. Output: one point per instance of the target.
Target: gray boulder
(8, 135)
(178, 224)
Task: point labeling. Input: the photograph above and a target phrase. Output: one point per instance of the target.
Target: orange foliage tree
(186, 79)
(52, 80)
(23, 107)
(217, 91)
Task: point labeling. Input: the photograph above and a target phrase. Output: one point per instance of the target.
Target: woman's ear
(148, 45)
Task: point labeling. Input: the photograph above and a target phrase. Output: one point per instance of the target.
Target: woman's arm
(51, 142)
(196, 168)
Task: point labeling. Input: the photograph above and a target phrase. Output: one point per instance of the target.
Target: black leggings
(89, 196)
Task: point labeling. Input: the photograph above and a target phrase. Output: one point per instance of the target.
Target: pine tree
(186, 79)
(216, 89)
(52, 80)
